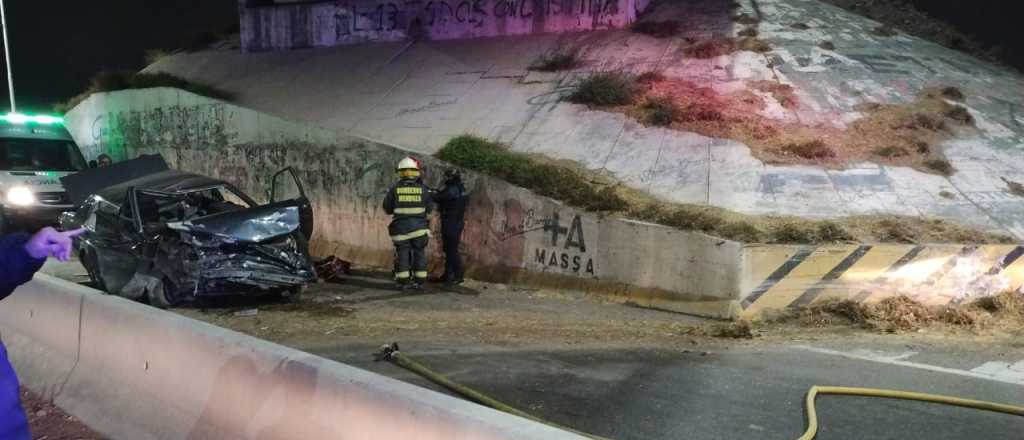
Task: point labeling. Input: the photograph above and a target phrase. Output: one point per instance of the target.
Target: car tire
(291, 295)
(162, 295)
(91, 265)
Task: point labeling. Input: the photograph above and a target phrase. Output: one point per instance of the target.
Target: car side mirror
(93, 164)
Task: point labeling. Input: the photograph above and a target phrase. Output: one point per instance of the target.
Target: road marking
(1003, 372)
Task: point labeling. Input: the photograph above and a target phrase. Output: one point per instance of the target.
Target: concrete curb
(134, 372)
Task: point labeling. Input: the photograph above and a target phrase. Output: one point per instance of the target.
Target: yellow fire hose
(391, 353)
(812, 416)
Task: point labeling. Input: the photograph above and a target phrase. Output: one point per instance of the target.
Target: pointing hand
(49, 242)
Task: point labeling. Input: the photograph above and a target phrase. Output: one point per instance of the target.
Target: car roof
(168, 181)
(34, 131)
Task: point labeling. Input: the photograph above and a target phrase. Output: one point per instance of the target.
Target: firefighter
(451, 202)
(409, 202)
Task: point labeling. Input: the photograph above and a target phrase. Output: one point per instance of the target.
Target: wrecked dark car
(171, 237)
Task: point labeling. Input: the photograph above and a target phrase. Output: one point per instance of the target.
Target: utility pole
(7, 55)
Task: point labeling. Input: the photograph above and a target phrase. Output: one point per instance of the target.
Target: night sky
(58, 45)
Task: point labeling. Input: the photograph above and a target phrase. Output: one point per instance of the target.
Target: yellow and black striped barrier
(780, 277)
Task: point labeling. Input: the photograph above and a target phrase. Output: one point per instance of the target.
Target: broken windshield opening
(158, 207)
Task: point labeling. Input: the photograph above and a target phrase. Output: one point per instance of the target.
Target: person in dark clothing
(409, 203)
(451, 202)
(20, 258)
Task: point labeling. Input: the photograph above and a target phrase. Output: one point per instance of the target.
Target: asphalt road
(738, 393)
(665, 387)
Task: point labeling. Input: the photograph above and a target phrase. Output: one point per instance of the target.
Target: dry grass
(900, 313)
(783, 93)
(706, 49)
(748, 32)
(891, 134)
(884, 31)
(745, 18)
(736, 330)
(556, 61)
(1013, 187)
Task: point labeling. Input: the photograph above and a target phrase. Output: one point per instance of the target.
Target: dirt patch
(827, 45)
(47, 421)
(800, 26)
(947, 195)
(1013, 187)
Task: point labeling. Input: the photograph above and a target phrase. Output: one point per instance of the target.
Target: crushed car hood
(252, 225)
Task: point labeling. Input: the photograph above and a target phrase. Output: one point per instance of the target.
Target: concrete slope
(420, 94)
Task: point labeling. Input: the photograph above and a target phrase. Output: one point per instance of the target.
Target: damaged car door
(285, 187)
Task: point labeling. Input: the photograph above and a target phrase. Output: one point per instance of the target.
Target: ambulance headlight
(20, 196)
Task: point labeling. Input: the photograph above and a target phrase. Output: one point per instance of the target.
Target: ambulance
(35, 152)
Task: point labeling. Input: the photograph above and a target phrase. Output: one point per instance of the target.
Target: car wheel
(91, 265)
(162, 295)
(292, 295)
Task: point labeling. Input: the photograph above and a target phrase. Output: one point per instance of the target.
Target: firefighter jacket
(409, 202)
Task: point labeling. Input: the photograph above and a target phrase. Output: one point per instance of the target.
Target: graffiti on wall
(350, 21)
(564, 247)
(400, 15)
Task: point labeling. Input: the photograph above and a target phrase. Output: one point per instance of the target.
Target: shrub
(650, 76)
(745, 19)
(555, 61)
(959, 114)
(891, 152)
(792, 232)
(952, 93)
(829, 231)
(753, 45)
(814, 149)
(748, 32)
(740, 231)
(657, 29)
(941, 166)
(660, 111)
(549, 180)
(605, 89)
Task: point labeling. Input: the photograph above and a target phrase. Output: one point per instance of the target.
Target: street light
(7, 55)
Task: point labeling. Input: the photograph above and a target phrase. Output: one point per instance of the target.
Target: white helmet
(408, 164)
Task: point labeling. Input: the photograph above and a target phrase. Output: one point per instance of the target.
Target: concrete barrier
(134, 372)
(511, 235)
(776, 278)
(288, 25)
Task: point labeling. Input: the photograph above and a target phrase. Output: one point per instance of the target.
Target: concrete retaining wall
(779, 277)
(134, 372)
(288, 25)
(512, 235)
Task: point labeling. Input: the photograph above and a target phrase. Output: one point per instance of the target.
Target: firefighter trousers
(411, 260)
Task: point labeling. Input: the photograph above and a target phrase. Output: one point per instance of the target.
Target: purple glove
(49, 242)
